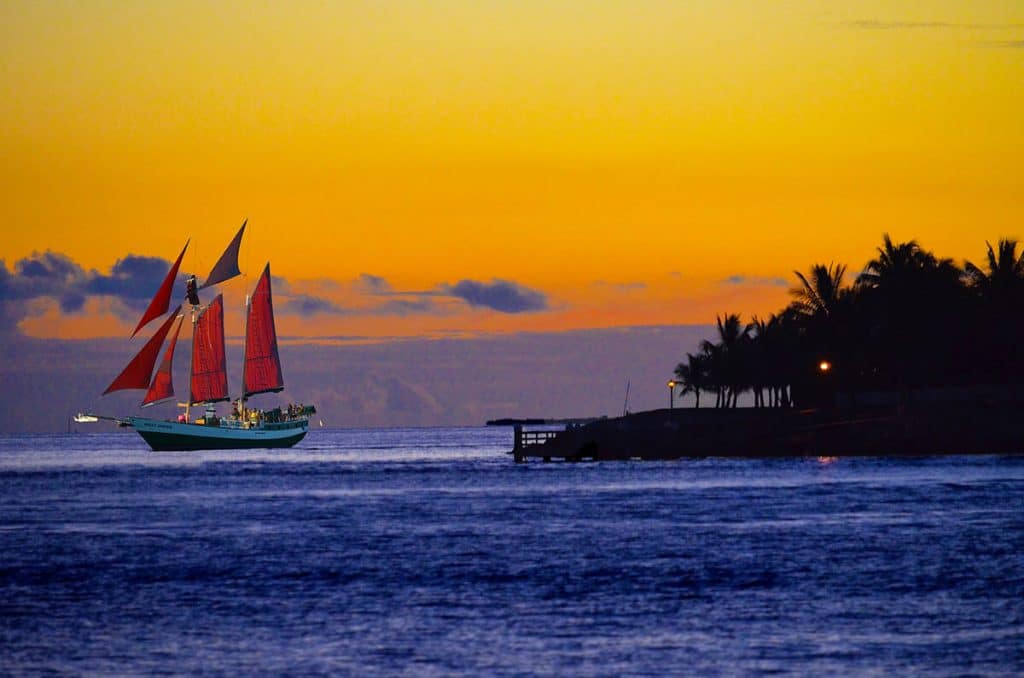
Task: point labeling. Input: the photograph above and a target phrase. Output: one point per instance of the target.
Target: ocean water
(428, 552)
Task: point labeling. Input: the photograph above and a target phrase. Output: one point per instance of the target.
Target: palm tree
(915, 302)
(711, 355)
(999, 297)
(759, 354)
(820, 292)
(771, 354)
(1005, 269)
(692, 375)
(892, 263)
(725, 358)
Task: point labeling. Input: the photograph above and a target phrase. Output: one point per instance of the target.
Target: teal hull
(172, 436)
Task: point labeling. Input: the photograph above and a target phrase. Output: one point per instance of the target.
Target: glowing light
(824, 366)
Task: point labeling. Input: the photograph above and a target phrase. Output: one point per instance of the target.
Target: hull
(165, 436)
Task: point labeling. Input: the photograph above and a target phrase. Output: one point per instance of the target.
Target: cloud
(133, 280)
(307, 305)
(623, 287)
(373, 284)
(878, 25)
(131, 283)
(52, 275)
(499, 295)
(279, 285)
(1005, 44)
(770, 281)
(59, 280)
(406, 306)
(44, 275)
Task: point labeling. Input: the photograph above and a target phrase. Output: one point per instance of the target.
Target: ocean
(429, 552)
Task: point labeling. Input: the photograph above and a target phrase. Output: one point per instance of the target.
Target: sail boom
(266, 390)
(207, 402)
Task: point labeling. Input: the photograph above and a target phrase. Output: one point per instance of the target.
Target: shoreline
(765, 433)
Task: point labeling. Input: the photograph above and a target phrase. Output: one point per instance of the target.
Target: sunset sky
(446, 167)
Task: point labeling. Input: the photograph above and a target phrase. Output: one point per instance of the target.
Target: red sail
(209, 369)
(262, 372)
(162, 386)
(162, 300)
(136, 374)
(227, 266)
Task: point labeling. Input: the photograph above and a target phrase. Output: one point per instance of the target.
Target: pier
(534, 443)
(910, 430)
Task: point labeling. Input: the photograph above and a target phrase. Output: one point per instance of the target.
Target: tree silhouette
(911, 320)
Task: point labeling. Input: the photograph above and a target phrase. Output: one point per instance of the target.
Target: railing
(523, 439)
(527, 438)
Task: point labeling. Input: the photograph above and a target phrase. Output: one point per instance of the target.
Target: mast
(216, 380)
(245, 355)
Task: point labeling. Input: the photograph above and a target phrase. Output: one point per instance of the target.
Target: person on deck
(192, 291)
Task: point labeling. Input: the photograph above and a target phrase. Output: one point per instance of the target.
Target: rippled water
(427, 551)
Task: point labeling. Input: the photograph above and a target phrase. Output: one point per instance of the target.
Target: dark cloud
(48, 275)
(755, 280)
(410, 306)
(133, 280)
(279, 284)
(51, 275)
(499, 295)
(373, 284)
(307, 305)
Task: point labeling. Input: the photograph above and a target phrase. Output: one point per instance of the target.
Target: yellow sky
(560, 145)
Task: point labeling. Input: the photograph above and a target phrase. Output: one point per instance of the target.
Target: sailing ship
(245, 427)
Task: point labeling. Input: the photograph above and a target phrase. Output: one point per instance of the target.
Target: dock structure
(534, 443)
(658, 435)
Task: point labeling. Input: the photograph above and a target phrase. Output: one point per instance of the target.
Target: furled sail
(262, 373)
(209, 369)
(162, 386)
(162, 300)
(227, 266)
(136, 374)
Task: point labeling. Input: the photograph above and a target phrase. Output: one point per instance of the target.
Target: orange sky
(623, 159)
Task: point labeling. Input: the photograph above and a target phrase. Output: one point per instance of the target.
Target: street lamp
(824, 366)
(671, 392)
